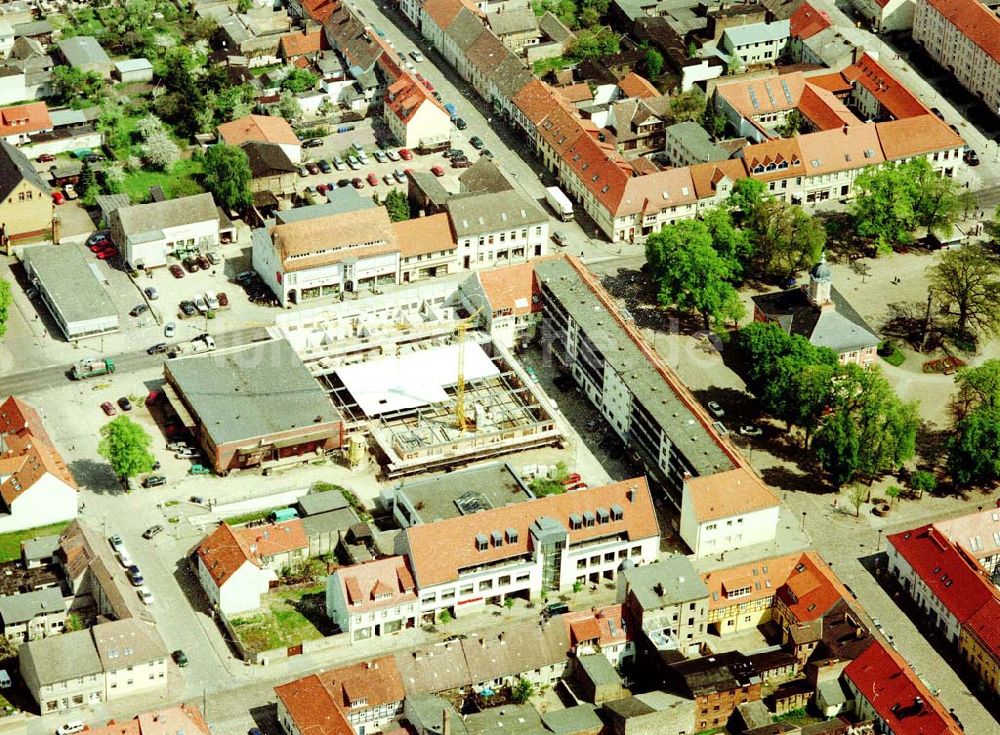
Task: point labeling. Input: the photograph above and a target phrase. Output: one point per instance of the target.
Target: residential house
(307, 45)
(327, 254)
(507, 299)
(25, 203)
(367, 695)
(483, 177)
(236, 565)
(326, 518)
(85, 53)
(978, 534)
(160, 721)
(885, 16)
(315, 11)
(980, 646)
(601, 630)
(964, 37)
(483, 58)
(271, 170)
(669, 603)
(741, 597)
(6, 38)
(886, 689)
(458, 37)
(515, 28)
(807, 21)
(36, 486)
(290, 421)
(427, 248)
(718, 684)
(592, 679)
(634, 86)
(641, 399)
(20, 122)
(131, 71)
(652, 712)
(757, 43)
(255, 35)
(546, 544)
(497, 229)
(431, 18)
(533, 651)
(39, 551)
(112, 660)
(638, 124)
(687, 143)
(31, 615)
(262, 129)
(726, 511)
(822, 315)
(147, 233)
(373, 599)
(438, 667)
(12, 84)
(415, 118)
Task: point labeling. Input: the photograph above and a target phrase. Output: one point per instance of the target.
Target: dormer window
(576, 521)
(482, 543)
(589, 519)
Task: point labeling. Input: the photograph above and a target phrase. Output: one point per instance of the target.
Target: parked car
(416, 56)
(135, 576)
(379, 156)
(107, 253)
(452, 152)
(146, 596)
(971, 158)
(387, 179)
(188, 308)
(938, 112)
(190, 264)
(750, 430)
(303, 171)
(437, 95)
(70, 728)
(203, 262)
(177, 446)
(186, 453)
(154, 481)
(460, 123)
(363, 157)
(476, 142)
(58, 198)
(560, 237)
(46, 158)
(372, 179)
(200, 304)
(324, 166)
(102, 244)
(169, 329)
(715, 409)
(138, 310)
(179, 658)
(392, 155)
(405, 154)
(399, 176)
(116, 542)
(124, 558)
(428, 85)
(339, 164)
(151, 293)
(109, 408)
(100, 235)
(357, 183)
(152, 531)
(125, 403)
(158, 349)
(341, 183)
(354, 163)
(460, 163)
(312, 168)
(321, 188)
(572, 478)
(176, 271)
(70, 191)
(437, 171)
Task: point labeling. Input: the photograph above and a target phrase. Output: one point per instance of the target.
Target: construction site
(420, 383)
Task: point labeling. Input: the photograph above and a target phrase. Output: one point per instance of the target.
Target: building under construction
(418, 378)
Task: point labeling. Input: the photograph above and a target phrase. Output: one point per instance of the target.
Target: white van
(4, 679)
(70, 728)
(212, 300)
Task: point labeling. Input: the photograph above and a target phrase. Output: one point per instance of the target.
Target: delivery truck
(201, 343)
(559, 202)
(92, 367)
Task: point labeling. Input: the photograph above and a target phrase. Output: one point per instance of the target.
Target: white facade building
(757, 43)
(372, 599)
(498, 229)
(727, 511)
(147, 233)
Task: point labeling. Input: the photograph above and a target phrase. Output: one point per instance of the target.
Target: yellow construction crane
(461, 420)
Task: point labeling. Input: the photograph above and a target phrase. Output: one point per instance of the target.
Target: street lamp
(803, 521)
(878, 541)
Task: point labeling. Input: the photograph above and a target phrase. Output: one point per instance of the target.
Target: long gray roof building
(15, 609)
(478, 214)
(61, 657)
(155, 216)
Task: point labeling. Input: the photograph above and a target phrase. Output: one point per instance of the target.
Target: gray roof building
(15, 609)
(256, 391)
(487, 53)
(670, 581)
(518, 20)
(511, 76)
(435, 668)
(140, 219)
(61, 657)
(39, 548)
(14, 168)
(124, 643)
(693, 144)
(267, 159)
(131, 66)
(517, 649)
(573, 720)
(426, 713)
(32, 29)
(757, 33)
(316, 503)
(453, 494)
(517, 719)
(555, 29)
(465, 29)
(482, 177)
(480, 214)
(71, 290)
(661, 402)
(84, 52)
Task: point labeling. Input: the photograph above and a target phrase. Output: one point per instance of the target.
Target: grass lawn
(896, 358)
(10, 543)
(179, 181)
(556, 63)
(288, 618)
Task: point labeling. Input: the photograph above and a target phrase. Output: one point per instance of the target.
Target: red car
(152, 397)
(100, 245)
(223, 299)
(372, 179)
(577, 486)
(321, 188)
(437, 171)
(46, 158)
(571, 479)
(427, 83)
(176, 271)
(405, 154)
(419, 76)
(57, 197)
(357, 183)
(109, 408)
(107, 253)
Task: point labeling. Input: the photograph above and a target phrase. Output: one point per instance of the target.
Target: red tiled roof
(780, 158)
(892, 94)
(823, 109)
(840, 149)
(319, 10)
(377, 584)
(763, 578)
(222, 554)
(324, 699)
(183, 718)
(891, 688)
(975, 20)
(260, 128)
(832, 82)
(439, 550)
(633, 85)
(442, 12)
(727, 494)
(406, 96)
(807, 21)
(422, 235)
(512, 289)
(811, 589)
(706, 176)
(273, 538)
(226, 549)
(950, 575)
(985, 625)
(25, 119)
(311, 708)
(915, 136)
(606, 625)
(28, 453)
(535, 99)
(575, 92)
(300, 44)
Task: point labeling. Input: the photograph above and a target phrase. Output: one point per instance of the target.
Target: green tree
(692, 274)
(397, 205)
(838, 450)
(715, 123)
(522, 691)
(921, 481)
(730, 241)
(227, 175)
(138, 16)
(88, 185)
(974, 449)
(125, 445)
(6, 298)
(111, 124)
(893, 492)
(857, 497)
(299, 80)
(508, 603)
(692, 49)
(937, 201)
(289, 107)
(113, 178)
(244, 6)
(785, 237)
(977, 386)
(688, 106)
(893, 200)
(76, 87)
(654, 63)
(444, 617)
(747, 196)
(795, 122)
(968, 279)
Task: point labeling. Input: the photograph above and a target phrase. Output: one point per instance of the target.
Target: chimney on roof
(845, 128)
(630, 494)
(918, 703)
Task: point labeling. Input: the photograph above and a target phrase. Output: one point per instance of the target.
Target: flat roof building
(254, 406)
(72, 289)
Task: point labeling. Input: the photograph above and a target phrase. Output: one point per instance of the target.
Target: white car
(70, 728)
(715, 409)
(125, 558)
(212, 300)
(169, 329)
(116, 542)
(363, 157)
(145, 595)
(187, 453)
(416, 56)
(200, 304)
